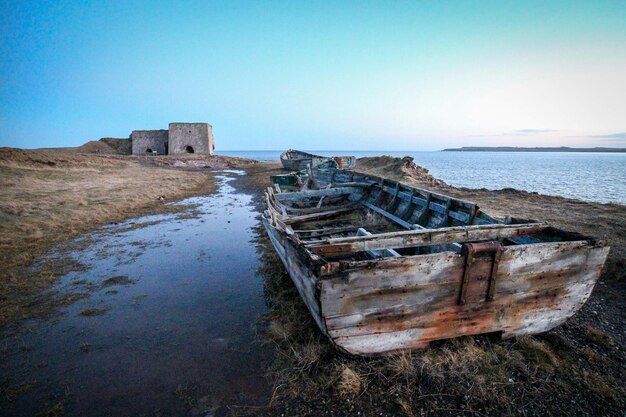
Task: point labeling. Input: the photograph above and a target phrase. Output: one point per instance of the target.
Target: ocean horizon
(589, 176)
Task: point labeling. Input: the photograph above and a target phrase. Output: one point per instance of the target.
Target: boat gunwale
(326, 269)
(332, 269)
(313, 251)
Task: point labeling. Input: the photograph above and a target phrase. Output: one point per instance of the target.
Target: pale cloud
(529, 132)
(619, 137)
(520, 132)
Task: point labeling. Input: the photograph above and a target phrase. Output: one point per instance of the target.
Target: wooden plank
(513, 315)
(424, 237)
(434, 206)
(316, 216)
(369, 311)
(390, 206)
(415, 279)
(309, 210)
(398, 306)
(327, 231)
(405, 214)
(377, 181)
(352, 184)
(302, 278)
(438, 207)
(299, 195)
(390, 216)
(377, 253)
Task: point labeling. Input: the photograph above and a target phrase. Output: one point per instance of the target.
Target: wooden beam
(309, 210)
(298, 195)
(390, 216)
(328, 231)
(351, 184)
(405, 196)
(315, 216)
(440, 208)
(377, 253)
(426, 237)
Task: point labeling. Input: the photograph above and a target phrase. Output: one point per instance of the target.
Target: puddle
(169, 327)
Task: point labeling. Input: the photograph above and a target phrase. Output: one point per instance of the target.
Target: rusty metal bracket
(470, 250)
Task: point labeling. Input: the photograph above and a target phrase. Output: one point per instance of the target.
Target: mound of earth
(96, 146)
(104, 146)
(46, 158)
(399, 169)
(121, 146)
(14, 156)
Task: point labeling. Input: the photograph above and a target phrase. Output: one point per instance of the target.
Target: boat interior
(341, 215)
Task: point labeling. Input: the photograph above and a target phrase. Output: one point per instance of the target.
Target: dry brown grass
(307, 356)
(599, 337)
(279, 331)
(402, 364)
(537, 352)
(55, 410)
(598, 385)
(48, 196)
(593, 357)
(397, 169)
(484, 370)
(349, 383)
(406, 408)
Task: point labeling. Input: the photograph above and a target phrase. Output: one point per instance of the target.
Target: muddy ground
(163, 319)
(48, 197)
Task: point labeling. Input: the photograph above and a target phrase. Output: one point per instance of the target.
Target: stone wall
(146, 141)
(191, 138)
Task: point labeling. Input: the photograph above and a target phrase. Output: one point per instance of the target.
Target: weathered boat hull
(293, 160)
(407, 304)
(501, 279)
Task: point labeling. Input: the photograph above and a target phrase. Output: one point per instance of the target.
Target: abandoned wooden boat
(383, 266)
(293, 160)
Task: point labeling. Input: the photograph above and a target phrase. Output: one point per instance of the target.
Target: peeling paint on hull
(377, 293)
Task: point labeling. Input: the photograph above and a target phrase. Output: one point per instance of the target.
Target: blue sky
(316, 75)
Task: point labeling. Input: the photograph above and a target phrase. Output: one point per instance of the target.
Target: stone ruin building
(180, 138)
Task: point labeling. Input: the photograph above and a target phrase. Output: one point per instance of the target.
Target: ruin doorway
(149, 151)
(189, 149)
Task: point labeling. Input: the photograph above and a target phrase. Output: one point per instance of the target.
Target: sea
(597, 177)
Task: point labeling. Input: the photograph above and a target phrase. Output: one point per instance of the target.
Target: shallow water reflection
(169, 326)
